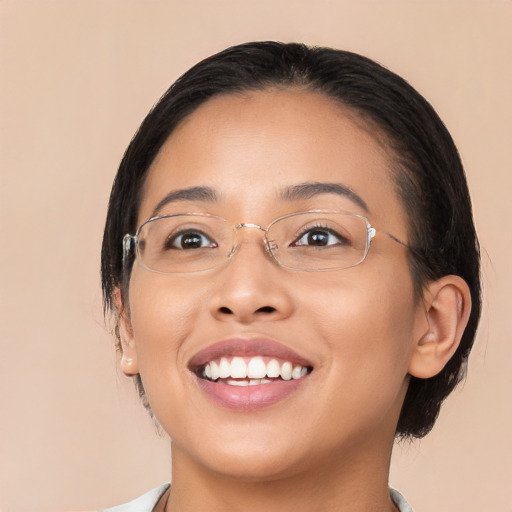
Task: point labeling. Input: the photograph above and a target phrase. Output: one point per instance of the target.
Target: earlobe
(129, 365)
(126, 340)
(447, 305)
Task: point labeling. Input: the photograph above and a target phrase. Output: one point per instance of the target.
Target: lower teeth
(244, 382)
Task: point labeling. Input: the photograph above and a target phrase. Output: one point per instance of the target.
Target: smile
(247, 374)
(252, 371)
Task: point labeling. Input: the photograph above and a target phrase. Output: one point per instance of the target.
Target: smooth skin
(326, 447)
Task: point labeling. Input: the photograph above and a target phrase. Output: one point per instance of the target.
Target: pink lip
(247, 398)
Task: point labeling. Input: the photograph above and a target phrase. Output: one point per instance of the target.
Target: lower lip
(248, 398)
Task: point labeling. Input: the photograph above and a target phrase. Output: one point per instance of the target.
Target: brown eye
(189, 240)
(320, 237)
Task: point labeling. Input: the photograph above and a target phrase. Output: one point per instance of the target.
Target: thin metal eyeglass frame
(131, 241)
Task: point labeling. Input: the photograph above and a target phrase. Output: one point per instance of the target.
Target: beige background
(76, 79)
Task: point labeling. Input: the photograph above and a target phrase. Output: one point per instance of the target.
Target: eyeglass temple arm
(397, 240)
(372, 232)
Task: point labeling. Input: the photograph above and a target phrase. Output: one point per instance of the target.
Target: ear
(129, 363)
(447, 305)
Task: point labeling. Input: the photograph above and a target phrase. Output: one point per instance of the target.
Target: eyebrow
(305, 190)
(186, 194)
(308, 190)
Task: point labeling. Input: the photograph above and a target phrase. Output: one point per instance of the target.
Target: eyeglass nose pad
(128, 243)
(371, 234)
(270, 245)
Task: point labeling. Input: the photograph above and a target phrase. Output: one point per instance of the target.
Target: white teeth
(286, 371)
(252, 382)
(238, 368)
(297, 372)
(214, 369)
(256, 369)
(273, 369)
(224, 368)
(254, 372)
(238, 382)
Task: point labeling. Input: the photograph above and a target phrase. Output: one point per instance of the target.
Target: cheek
(164, 311)
(368, 321)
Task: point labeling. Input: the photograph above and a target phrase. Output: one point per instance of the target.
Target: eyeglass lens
(301, 241)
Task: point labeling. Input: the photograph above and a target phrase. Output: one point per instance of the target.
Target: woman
(291, 259)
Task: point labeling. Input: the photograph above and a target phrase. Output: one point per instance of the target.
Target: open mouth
(250, 371)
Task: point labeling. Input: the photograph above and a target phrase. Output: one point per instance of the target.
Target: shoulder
(400, 501)
(144, 503)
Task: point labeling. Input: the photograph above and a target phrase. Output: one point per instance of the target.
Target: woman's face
(353, 329)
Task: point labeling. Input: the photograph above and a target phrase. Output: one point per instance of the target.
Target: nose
(251, 287)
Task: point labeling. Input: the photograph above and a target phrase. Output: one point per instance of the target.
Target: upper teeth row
(254, 369)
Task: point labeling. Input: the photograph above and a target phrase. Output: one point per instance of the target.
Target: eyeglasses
(316, 240)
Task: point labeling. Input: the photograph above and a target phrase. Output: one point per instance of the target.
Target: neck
(350, 484)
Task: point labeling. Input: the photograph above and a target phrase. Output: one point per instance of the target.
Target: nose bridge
(249, 225)
(245, 291)
(239, 240)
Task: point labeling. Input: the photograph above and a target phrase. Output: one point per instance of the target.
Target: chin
(247, 460)
(259, 469)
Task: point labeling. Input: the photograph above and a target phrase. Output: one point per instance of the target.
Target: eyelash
(170, 242)
(329, 231)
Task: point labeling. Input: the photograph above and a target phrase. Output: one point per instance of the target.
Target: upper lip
(238, 346)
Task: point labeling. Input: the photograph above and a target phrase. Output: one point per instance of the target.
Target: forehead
(250, 147)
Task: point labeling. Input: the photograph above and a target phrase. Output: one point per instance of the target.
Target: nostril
(266, 309)
(226, 311)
